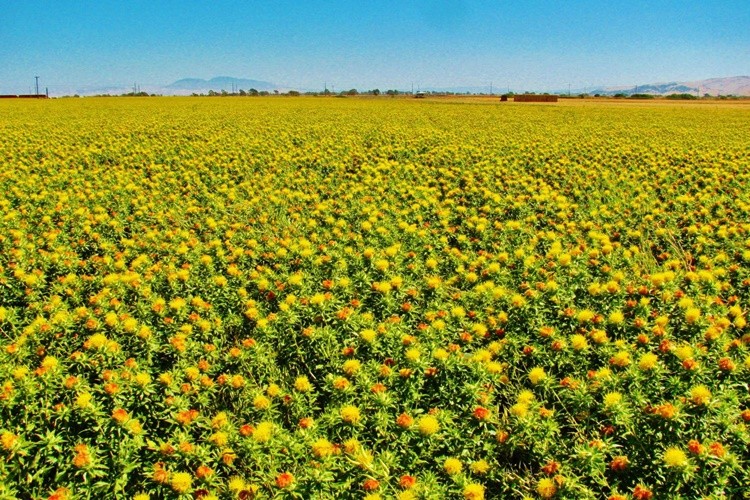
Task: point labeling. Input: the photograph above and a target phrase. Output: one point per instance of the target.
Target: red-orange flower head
(407, 481)
(481, 413)
(284, 480)
(370, 485)
(404, 420)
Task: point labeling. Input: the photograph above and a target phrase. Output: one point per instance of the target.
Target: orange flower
(60, 494)
(695, 447)
(726, 365)
(551, 468)
(619, 463)
(407, 482)
(481, 413)
(120, 415)
(8, 440)
(306, 423)
(404, 421)
(203, 471)
(378, 388)
(370, 485)
(642, 493)
(187, 416)
(228, 457)
(667, 411)
(284, 480)
(717, 449)
(82, 457)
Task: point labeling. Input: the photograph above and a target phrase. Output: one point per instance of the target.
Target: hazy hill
(734, 85)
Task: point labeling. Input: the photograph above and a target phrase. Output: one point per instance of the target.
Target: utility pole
(490, 88)
(37, 84)
(568, 90)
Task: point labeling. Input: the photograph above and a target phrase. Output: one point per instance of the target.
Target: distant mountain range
(733, 85)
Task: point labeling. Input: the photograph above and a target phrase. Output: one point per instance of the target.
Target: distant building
(534, 98)
(419, 95)
(23, 96)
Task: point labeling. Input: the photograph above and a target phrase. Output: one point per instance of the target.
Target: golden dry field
(322, 298)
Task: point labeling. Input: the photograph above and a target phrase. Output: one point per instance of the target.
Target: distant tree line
(394, 92)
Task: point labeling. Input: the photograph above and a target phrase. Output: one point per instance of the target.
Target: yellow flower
(352, 366)
(181, 482)
(675, 457)
(546, 488)
(236, 484)
(536, 375)
(428, 425)
(96, 341)
(648, 361)
(452, 466)
(692, 315)
(412, 354)
(440, 354)
(480, 467)
(130, 325)
(474, 491)
(585, 316)
(351, 445)
(322, 448)
(302, 384)
(135, 427)
(260, 402)
(579, 342)
(219, 438)
(143, 379)
(683, 352)
(350, 414)
(621, 359)
(8, 440)
(616, 317)
(368, 335)
(520, 410)
(526, 397)
(220, 420)
(83, 400)
(612, 399)
(49, 363)
(263, 432)
(599, 336)
(700, 395)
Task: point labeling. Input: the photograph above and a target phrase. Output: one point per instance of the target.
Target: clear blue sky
(531, 45)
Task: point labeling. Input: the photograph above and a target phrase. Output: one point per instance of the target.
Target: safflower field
(384, 298)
